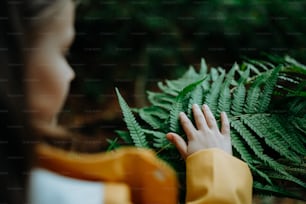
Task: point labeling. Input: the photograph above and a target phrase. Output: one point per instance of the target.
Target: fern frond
(277, 176)
(267, 112)
(136, 131)
(203, 68)
(211, 98)
(252, 141)
(298, 67)
(298, 107)
(196, 97)
(267, 128)
(262, 64)
(255, 145)
(275, 190)
(188, 77)
(160, 100)
(178, 106)
(287, 133)
(125, 136)
(246, 156)
(253, 95)
(113, 144)
(239, 94)
(265, 98)
(154, 116)
(214, 74)
(238, 100)
(299, 124)
(160, 140)
(224, 100)
(172, 91)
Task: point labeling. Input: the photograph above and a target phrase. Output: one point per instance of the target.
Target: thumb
(179, 143)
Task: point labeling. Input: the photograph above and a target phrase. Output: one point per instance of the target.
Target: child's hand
(205, 135)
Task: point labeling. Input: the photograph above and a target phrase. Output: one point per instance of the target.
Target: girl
(35, 77)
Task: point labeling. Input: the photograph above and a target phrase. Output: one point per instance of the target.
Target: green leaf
(212, 97)
(136, 131)
(265, 97)
(177, 106)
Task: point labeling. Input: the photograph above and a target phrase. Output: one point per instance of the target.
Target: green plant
(266, 105)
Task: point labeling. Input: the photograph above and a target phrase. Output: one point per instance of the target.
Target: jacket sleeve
(213, 176)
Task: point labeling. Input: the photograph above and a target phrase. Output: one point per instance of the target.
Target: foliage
(150, 39)
(266, 105)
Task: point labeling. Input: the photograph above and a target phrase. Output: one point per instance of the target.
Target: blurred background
(134, 44)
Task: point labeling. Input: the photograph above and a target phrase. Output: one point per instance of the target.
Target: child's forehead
(59, 23)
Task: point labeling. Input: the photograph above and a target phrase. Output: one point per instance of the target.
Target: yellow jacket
(132, 175)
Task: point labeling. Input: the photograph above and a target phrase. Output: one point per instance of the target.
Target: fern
(269, 129)
(134, 128)
(195, 98)
(212, 97)
(153, 115)
(266, 105)
(268, 89)
(252, 100)
(178, 106)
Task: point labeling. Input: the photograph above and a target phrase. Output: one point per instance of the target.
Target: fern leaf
(254, 144)
(298, 107)
(238, 100)
(125, 136)
(265, 97)
(224, 101)
(113, 144)
(178, 106)
(288, 134)
(246, 156)
(136, 131)
(230, 75)
(160, 140)
(239, 94)
(154, 116)
(212, 97)
(188, 77)
(297, 134)
(166, 89)
(299, 124)
(265, 127)
(160, 100)
(203, 68)
(252, 104)
(260, 64)
(274, 190)
(196, 97)
(214, 74)
(276, 176)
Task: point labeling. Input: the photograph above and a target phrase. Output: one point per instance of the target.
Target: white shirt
(46, 187)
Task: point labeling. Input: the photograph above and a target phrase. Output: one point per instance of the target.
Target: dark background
(134, 44)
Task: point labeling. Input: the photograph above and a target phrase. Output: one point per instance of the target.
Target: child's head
(47, 73)
(34, 78)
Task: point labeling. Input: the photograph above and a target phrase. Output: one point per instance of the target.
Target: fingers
(225, 127)
(187, 126)
(199, 117)
(179, 143)
(209, 117)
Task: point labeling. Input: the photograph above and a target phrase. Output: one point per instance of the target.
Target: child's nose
(71, 74)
